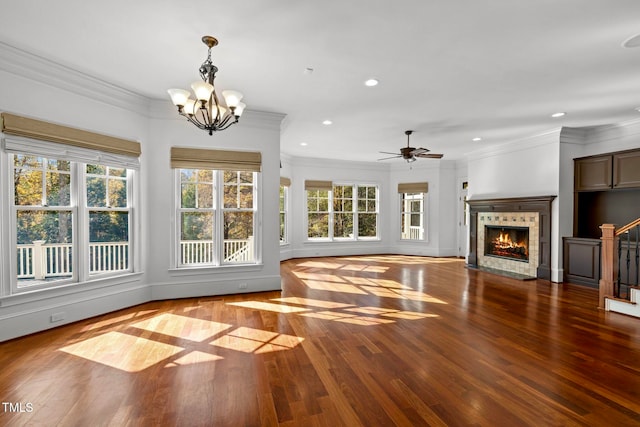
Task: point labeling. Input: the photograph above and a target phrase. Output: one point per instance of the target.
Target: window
(201, 221)
(44, 218)
(284, 210)
(48, 206)
(70, 215)
(341, 211)
(412, 208)
(318, 213)
(367, 211)
(412, 216)
(107, 197)
(217, 206)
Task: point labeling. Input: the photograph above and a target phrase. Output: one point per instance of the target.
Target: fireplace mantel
(539, 204)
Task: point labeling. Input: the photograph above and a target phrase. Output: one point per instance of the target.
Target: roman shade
(285, 182)
(201, 158)
(318, 185)
(45, 131)
(413, 187)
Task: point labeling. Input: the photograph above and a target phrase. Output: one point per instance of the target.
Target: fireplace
(532, 213)
(507, 242)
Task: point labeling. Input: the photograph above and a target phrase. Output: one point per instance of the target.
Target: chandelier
(206, 111)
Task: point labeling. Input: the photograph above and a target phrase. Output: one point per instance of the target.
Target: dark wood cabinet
(626, 170)
(593, 173)
(581, 261)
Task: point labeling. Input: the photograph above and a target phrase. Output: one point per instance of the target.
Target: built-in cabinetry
(606, 191)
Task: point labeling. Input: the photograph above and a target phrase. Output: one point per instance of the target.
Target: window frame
(218, 210)
(405, 209)
(354, 212)
(283, 204)
(80, 211)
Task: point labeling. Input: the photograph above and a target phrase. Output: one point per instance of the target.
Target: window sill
(219, 269)
(325, 241)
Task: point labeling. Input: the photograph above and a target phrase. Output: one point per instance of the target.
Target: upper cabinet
(626, 170)
(593, 173)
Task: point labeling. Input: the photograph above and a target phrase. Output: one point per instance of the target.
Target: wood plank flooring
(350, 341)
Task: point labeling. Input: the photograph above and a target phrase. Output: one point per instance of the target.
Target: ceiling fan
(411, 154)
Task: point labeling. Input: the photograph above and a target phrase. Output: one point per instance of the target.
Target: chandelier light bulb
(179, 97)
(203, 90)
(239, 109)
(232, 97)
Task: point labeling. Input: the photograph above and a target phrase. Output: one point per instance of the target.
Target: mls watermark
(17, 407)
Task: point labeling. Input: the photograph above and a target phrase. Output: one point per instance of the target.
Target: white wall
(256, 132)
(525, 168)
(441, 207)
(301, 169)
(33, 87)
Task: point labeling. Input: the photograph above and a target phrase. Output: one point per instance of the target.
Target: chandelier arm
(229, 123)
(196, 122)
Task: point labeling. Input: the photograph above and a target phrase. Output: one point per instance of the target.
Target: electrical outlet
(57, 317)
(243, 286)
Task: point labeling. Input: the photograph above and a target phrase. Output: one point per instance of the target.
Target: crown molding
(34, 67)
(545, 138)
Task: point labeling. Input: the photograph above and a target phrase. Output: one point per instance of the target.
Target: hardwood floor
(350, 341)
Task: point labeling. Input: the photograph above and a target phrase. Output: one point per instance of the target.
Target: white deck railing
(414, 233)
(201, 252)
(40, 260)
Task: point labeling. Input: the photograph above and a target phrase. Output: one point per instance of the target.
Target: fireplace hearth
(507, 242)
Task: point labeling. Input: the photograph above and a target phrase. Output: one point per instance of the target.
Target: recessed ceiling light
(304, 144)
(555, 115)
(476, 139)
(327, 122)
(371, 82)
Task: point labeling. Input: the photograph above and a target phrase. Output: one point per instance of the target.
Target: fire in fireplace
(507, 242)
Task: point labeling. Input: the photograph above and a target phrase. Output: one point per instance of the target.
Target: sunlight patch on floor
(312, 302)
(333, 287)
(347, 318)
(193, 358)
(182, 326)
(122, 351)
(250, 340)
(260, 305)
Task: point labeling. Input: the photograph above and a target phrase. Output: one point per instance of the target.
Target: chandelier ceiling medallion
(206, 111)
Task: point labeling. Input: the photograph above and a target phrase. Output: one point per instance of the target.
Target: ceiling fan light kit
(411, 154)
(206, 111)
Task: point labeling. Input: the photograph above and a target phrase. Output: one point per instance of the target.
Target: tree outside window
(318, 214)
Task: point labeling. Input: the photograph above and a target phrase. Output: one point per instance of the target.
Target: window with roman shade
(412, 210)
(72, 206)
(217, 205)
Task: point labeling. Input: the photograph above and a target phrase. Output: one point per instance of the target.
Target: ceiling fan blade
(387, 158)
(386, 152)
(417, 151)
(429, 156)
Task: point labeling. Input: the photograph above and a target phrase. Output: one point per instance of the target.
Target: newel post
(609, 262)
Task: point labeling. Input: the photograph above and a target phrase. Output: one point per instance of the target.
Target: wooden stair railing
(611, 260)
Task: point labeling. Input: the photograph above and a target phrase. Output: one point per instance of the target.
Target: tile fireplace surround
(529, 220)
(531, 212)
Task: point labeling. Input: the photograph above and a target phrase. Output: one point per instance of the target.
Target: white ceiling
(450, 70)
